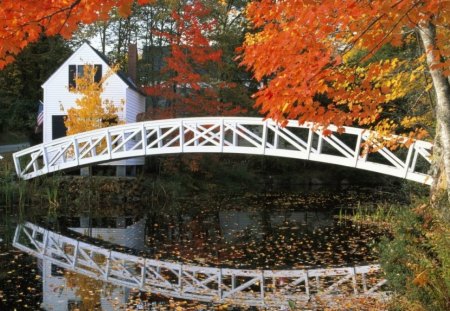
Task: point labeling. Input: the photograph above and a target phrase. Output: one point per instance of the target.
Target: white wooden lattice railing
(223, 135)
(217, 285)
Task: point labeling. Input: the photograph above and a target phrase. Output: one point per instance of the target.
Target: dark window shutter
(98, 73)
(72, 75)
(58, 127)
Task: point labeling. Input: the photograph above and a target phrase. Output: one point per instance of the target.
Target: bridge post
(76, 150)
(219, 284)
(158, 136)
(233, 281)
(109, 144)
(235, 137)
(17, 234)
(75, 254)
(261, 286)
(310, 142)
(45, 157)
(222, 138)
(276, 137)
(144, 139)
(357, 148)
(45, 244)
(307, 283)
(143, 273)
(181, 129)
(108, 266)
(320, 142)
(355, 286)
(408, 158)
(264, 138)
(180, 279)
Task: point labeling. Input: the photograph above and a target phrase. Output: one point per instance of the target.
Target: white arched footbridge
(208, 284)
(223, 135)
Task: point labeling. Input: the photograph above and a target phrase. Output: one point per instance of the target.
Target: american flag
(40, 117)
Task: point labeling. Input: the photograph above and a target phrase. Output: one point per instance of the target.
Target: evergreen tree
(20, 84)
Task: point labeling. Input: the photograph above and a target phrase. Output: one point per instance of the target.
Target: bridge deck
(209, 284)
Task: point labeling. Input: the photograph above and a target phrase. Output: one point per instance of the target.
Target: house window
(77, 71)
(59, 129)
(74, 305)
(57, 271)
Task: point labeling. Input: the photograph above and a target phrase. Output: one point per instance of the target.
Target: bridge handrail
(224, 135)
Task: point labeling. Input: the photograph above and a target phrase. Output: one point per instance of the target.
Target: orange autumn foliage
(299, 53)
(23, 22)
(187, 87)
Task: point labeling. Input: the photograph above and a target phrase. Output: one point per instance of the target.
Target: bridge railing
(208, 284)
(224, 135)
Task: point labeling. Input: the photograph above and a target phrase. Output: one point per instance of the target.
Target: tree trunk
(442, 89)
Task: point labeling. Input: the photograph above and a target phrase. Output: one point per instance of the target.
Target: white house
(58, 99)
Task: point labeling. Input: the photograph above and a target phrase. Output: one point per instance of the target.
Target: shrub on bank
(417, 258)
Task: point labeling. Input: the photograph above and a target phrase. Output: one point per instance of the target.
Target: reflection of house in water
(122, 231)
(235, 223)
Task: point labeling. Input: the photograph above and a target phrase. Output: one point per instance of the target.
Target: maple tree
(23, 22)
(299, 49)
(91, 111)
(189, 84)
(187, 87)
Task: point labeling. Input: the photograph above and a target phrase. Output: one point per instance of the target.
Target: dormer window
(77, 71)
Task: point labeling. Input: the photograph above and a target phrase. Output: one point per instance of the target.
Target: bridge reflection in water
(208, 284)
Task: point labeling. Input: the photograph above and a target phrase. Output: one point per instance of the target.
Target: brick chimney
(132, 62)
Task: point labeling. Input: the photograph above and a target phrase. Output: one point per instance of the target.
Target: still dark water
(240, 230)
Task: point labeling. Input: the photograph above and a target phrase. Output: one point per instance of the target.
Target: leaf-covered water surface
(277, 231)
(240, 230)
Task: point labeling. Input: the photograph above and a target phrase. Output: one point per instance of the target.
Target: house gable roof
(120, 74)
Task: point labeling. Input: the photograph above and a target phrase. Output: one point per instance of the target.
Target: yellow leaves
(421, 279)
(410, 121)
(251, 39)
(285, 107)
(92, 111)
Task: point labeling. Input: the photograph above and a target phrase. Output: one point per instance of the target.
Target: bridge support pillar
(121, 171)
(85, 171)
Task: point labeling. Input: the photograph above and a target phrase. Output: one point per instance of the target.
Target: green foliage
(417, 259)
(11, 192)
(20, 83)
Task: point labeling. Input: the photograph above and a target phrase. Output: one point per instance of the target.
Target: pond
(270, 230)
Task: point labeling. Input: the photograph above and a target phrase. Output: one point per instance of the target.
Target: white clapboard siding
(137, 106)
(58, 100)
